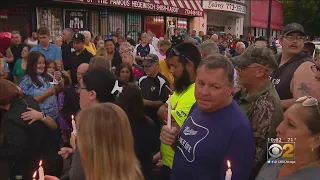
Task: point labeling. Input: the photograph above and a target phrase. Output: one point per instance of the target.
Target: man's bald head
(215, 38)
(82, 68)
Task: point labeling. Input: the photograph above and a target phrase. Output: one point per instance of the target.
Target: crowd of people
(180, 107)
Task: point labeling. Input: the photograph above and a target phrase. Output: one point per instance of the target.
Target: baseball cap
(78, 37)
(293, 27)
(261, 38)
(255, 54)
(211, 44)
(150, 59)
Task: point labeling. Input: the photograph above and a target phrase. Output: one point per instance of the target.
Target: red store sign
(188, 8)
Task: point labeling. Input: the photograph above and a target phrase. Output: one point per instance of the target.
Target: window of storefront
(116, 22)
(171, 24)
(94, 17)
(133, 25)
(104, 23)
(15, 18)
(155, 24)
(182, 25)
(215, 29)
(76, 19)
(51, 18)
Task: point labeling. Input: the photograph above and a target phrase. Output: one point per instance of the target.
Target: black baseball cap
(293, 27)
(78, 37)
(150, 59)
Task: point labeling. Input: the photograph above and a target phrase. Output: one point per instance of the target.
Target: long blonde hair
(106, 144)
(102, 52)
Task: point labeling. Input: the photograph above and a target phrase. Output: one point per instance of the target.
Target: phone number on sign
(192, 12)
(235, 7)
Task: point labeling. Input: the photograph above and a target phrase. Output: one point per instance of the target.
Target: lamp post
(269, 22)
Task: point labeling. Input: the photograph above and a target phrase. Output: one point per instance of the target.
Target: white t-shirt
(155, 43)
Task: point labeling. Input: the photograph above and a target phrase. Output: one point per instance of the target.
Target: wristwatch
(44, 116)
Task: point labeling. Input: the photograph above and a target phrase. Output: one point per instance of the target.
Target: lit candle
(169, 112)
(34, 175)
(228, 172)
(74, 127)
(41, 171)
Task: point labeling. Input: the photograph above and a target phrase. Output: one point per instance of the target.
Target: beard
(183, 82)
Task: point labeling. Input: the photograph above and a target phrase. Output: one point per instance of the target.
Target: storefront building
(257, 19)
(16, 17)
(222, 16)
(108, 17)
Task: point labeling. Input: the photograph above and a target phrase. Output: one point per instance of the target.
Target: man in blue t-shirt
(215, 131)
(50, 51)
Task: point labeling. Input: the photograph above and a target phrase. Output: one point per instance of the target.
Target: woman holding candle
(108, 155)
(301, 125)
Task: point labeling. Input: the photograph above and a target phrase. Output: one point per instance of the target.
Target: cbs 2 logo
(285, 150)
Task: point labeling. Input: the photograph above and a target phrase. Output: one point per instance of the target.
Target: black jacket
(22, 146)
(146, 143)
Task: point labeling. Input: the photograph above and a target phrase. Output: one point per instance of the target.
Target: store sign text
(225, 6)
(138, 4)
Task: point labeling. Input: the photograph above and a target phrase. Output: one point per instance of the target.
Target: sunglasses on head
(175, 52)
(108, 38)
(308, 101)
(314, 68)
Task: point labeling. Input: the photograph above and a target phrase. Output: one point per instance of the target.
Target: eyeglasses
(308, 101)
(78, 88)
(291, 38)
(314, 68)
(175, 52)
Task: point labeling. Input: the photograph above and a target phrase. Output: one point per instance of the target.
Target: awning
(181, 7)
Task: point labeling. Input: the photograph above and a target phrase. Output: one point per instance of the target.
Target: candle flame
(229, 164)
(34, 174)
(72, 117)
(40, 163)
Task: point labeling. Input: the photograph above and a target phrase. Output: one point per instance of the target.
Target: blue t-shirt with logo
(208, 139)
(143, 51)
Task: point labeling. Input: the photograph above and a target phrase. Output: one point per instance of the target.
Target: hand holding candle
(169, 112)
(34, 175)
(74, 127)
(41, 171)
(228, 172)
